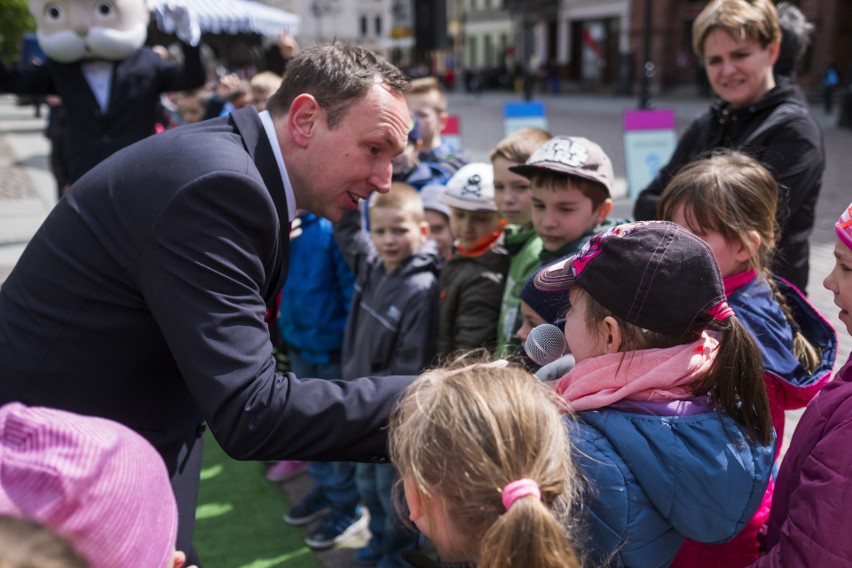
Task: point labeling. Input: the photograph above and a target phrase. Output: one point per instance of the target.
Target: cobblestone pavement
(27, 191)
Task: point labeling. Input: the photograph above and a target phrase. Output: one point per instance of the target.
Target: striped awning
(231, 17)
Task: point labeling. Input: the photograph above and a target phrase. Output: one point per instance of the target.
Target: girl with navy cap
(672, 425)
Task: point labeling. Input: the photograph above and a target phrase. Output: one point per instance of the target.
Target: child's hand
(226, 85)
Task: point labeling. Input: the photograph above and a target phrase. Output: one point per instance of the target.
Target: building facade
(592, 44)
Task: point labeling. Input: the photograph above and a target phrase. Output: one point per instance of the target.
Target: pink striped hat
(843, 227)
(95, 482)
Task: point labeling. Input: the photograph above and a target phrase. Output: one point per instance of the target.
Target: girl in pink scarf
(672, 411)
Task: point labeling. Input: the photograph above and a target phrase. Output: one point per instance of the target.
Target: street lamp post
(319, 9)
(648, 65)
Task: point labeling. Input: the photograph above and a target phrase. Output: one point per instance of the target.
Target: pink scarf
(654, 375)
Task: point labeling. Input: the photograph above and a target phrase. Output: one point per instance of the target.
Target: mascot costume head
(109, 82)
(72, 30)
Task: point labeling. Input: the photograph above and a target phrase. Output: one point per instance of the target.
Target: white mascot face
(71, 30)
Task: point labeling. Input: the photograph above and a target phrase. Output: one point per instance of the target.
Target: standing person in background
(830, 81)
(814, 484)
(513, 196)
(738, 41)
(160, 270)
(311, 321)
(191, 105)
(472, 281)
(57, 123)
(502, 498)
(437, 214)
(428, 103)
(410, 169)
(570, 186)
(262, 85)
(796, 32)
(391, 330)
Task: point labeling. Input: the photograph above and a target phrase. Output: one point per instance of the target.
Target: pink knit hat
(93, 481)
(843, 227)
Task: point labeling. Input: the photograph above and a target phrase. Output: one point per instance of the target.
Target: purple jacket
(811, 509)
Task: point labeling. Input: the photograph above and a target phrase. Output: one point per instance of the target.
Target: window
(363, 26)
(378, 26)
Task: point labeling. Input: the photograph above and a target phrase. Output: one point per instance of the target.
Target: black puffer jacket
(779, 131)
(471, 296)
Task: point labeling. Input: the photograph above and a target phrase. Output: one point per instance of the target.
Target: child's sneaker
(285, 470)
(336, 527)
(313, 506)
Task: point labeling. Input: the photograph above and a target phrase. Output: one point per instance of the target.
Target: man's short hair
(336, 75)
(401, 196)
(751, 19)
(425, 85)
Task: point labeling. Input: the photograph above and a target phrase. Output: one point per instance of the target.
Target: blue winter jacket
(425, 173)
(316, 297)
(788, 384)
(654, 480)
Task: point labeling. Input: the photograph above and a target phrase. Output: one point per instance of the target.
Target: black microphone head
(545, 344)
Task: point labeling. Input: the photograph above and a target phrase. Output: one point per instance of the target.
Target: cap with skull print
(471, 188)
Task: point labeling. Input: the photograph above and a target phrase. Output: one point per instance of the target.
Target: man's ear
(611, 335)
(425, 233)
(305, 113)
(179, 559)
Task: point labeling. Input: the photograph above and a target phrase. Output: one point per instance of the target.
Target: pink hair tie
(518, 489)
(721, 311)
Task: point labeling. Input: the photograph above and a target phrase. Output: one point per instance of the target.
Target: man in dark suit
(110, 84)
(142, 296)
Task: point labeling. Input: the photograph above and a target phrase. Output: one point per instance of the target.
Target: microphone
(545, 344)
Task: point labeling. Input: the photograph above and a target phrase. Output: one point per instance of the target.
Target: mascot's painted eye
(53, 12)
(104, 8)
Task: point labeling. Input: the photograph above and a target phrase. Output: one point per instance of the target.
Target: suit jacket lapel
(257, 144)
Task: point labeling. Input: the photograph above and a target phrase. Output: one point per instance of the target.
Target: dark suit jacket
(142, 298)
(134, 98)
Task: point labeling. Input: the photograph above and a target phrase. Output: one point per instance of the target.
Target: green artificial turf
(239, 517)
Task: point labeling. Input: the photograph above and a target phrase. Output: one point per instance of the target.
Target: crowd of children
(656, 445)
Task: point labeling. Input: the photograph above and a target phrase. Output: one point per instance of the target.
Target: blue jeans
(391, 536)
(336, 480)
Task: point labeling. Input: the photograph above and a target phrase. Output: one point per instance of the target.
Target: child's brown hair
(733, 194)
(520, 144)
